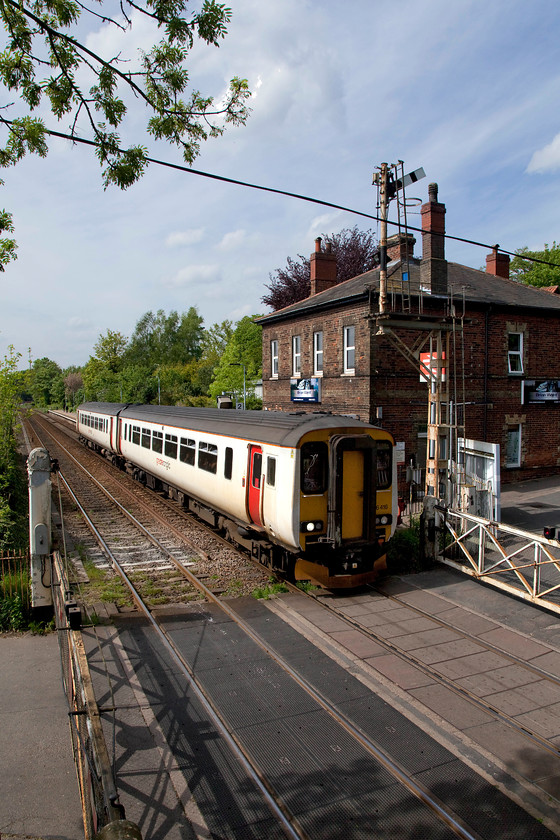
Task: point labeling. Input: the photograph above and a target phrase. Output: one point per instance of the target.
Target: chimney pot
(318, 245)
(433, 192)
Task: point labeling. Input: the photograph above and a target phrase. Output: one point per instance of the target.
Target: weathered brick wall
(385, 380)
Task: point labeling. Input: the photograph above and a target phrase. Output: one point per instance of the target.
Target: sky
(468, 90)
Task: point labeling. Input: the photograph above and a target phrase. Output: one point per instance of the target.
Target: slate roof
(476, 285)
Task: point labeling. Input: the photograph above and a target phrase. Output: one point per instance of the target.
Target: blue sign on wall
(306, 390)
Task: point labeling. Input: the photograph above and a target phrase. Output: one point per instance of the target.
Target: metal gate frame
(521, 563)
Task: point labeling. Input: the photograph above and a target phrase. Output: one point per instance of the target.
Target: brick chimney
(497, 264)
(400, 246)
(323, 268)
(433, 268)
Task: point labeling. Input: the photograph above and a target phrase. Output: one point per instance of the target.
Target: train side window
(228, 463)
(171, 446)
(146, 438)
(271, 471)
(384, 453)
(314, 468)
(187, 451)
(157, 441)
(125, 431)
(136, 434)
(208, 457)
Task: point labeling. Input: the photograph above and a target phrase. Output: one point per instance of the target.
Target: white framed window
(349, 349)
(513, 446)
(318, 353)
(296, 355)
(274, 359)
(515, 352)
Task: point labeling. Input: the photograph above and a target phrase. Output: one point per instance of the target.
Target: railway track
(413, 801)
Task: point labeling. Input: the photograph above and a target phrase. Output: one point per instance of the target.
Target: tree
(534, 273)
(73, 385)
(12, 483)
(47, 58)
(356, 252)
(166, 339)
(109, 350)
(244, 350)
(46, 383)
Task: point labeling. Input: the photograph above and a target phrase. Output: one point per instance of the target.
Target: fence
(95, 776)
(521, 563)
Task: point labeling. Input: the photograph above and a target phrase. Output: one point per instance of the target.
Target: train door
(352, 487)
(254, 485)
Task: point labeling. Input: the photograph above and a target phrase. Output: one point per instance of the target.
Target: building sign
(541, 391)
(306, 390)
(429, 360)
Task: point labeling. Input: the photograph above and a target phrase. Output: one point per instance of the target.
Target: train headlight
(385, 519)
(310, 527)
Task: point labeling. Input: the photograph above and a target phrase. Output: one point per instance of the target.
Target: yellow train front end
(347, 505)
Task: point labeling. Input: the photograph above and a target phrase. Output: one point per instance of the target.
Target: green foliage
(46, 65)
(244, 348)
(166, 339)
(15, 600)
(272, 588)
(13, 493)
(403, 552)
(46, 383)
(91, 91)
(534, 273)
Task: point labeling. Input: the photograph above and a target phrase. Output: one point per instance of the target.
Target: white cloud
(323, 224)
(232, 240)
(185, 237)
(546, 159)
(199, 277)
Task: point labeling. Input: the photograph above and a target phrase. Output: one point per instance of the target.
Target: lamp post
(240, 364)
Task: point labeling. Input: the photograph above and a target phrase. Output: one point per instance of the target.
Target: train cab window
(187, 451)
(314, 468)
(157, 441)
(384, 452)
(146, 438)
(136, 434)
(208, 456)
(271, 471)
(228, 463)
(171, 446)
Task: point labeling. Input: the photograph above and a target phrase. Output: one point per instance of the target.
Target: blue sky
(468, 90)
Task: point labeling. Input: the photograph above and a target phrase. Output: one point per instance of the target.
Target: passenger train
(312, 496)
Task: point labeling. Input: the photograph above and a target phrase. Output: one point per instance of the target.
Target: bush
(403, 552)
(14, 600)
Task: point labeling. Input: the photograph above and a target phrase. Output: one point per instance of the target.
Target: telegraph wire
(298, 196)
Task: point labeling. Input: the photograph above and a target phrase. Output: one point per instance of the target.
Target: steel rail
(409, 657)
(420, 791)
(285, 820)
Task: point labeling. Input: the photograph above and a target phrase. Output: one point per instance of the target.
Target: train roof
(103, 407)
(278, 427)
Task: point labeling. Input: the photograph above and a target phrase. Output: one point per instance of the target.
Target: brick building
(335, 351)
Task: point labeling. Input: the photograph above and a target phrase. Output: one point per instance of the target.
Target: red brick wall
(384, 378)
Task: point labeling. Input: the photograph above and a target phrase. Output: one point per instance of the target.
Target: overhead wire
(298, 196)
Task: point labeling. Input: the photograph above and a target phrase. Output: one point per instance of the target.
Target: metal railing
(517, 561)
(100, 804)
